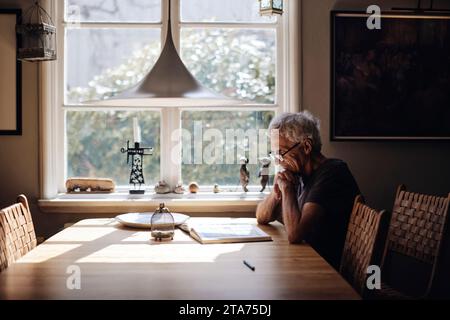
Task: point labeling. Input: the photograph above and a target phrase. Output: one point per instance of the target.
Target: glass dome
(162, 224)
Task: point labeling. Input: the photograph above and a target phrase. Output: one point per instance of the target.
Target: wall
(19, 156)
(378, 166)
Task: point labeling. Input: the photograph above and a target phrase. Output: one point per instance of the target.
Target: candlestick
(136, 130)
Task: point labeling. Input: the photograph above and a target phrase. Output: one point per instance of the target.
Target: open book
(223, 232)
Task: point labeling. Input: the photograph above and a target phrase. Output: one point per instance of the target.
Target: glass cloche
(162, 224)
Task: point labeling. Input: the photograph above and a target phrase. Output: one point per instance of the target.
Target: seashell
(179, 189)
(162, 187)
(193, 187)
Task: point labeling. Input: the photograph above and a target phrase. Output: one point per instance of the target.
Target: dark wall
(378, 166)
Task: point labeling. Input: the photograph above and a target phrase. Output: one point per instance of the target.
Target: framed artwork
(10, 74)
(391, 83)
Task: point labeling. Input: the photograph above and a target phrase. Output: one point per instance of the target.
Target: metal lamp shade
(169, 84)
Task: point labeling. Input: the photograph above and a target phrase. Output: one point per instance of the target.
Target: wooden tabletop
(122, 263)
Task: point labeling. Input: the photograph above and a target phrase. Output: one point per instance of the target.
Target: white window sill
(204, 203)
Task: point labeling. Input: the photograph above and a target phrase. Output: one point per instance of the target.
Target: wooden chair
(17, 235)
(413, 245)
(363, 234)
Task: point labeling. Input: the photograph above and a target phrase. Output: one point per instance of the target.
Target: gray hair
(296, 126)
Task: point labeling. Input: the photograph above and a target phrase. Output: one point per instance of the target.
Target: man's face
(293, 159)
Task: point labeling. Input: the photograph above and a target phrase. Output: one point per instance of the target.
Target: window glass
(239, 63)
(95, 140)
(102, 62)
(113, 10)
(223, 11)
(213, 143)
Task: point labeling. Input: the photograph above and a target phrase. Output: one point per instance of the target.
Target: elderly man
(312, 195)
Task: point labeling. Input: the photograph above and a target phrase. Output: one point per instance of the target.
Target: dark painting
(392, 83)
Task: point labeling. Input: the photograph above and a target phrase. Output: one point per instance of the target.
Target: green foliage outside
(94, 140)
(235, 62)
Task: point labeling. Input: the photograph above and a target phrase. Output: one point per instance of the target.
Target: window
(108, 46)
(94, 140)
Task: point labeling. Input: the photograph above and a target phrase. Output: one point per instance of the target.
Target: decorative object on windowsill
(270, 7)
(216, 188)
(264, 172)
(137, 159)
(162, 224)
(244, 174)
(193, 187)
(38, 35)
(162, 187)
(179, 188)
(90, 185)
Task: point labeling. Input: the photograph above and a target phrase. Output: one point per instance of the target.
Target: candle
(136, 130)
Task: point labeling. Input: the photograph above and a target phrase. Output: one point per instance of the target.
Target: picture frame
(409, 100)
(11, 75)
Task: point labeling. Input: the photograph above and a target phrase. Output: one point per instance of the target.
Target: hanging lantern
(270, 7)
(162, 224)
(38, 35)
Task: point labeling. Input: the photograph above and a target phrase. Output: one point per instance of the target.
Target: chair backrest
(359, 248)
(414, 241)
(17, 235)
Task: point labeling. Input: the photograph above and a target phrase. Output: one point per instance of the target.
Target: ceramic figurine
(263, 174)
(162, 187)
(179, 189)
(244, 174)
(216, 188)
(193, 187)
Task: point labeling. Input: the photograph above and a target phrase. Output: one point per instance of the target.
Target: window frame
(52, 79)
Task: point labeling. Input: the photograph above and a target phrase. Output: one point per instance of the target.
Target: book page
(227, 231)
(210, 232)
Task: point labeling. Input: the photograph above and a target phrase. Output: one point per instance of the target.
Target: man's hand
(285, 182)
(276, 188)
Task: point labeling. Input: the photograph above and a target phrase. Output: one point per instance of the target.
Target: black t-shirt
(333, 187)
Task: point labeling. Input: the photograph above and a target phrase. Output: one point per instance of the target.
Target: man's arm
(269, 209)
(297, 221)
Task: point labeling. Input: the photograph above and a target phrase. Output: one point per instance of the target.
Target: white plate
(142, 220)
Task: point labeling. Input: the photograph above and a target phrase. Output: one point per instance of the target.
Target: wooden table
(122, 263)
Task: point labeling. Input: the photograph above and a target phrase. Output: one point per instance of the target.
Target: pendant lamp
(169, 84)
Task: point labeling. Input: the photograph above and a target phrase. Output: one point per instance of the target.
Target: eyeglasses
(279, 156)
